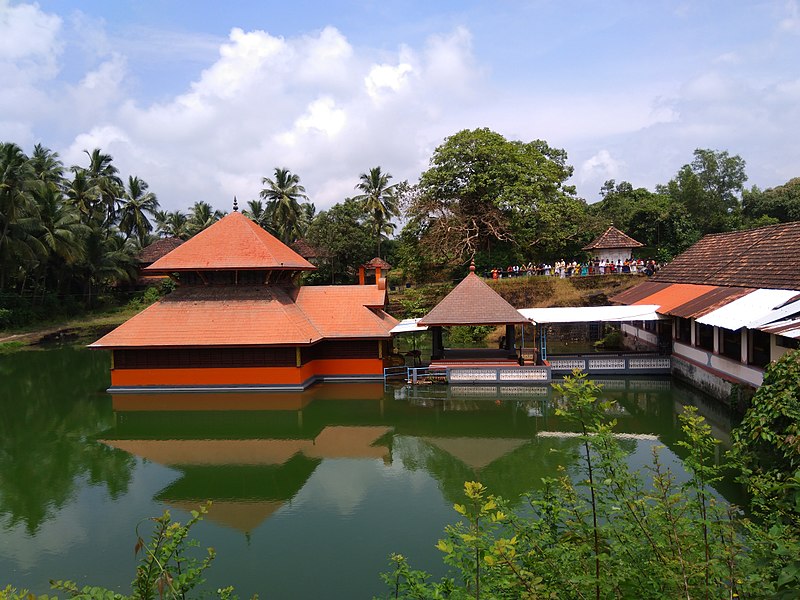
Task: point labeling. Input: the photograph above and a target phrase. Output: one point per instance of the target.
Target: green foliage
(468, 335)
(482, 189)
(603, 532)
(145, 298)
(166, 569)
(766, 447)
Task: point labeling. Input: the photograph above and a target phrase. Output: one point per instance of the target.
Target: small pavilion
(613, 245)
(377, 265)
(473, 302)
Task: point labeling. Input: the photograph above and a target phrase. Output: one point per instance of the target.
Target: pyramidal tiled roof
(378, 263)
(157, 249)
(472, 302)
(233, 242)
(613, 238)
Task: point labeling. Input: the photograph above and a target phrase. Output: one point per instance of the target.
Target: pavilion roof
(232, 243)
(378, 263)
(256, 315)
(472, 302)
(306, 250)
(613, 238)
(151, 253)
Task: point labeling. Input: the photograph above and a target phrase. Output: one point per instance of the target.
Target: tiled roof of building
(766, 257)
(613, 238)
(150, 254)
(232, 243)
(306, 250)
(378, 263)
(681, 299)
(472, 302)
(352, 317)
(254, 316)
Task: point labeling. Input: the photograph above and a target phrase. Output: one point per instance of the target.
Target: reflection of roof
(758, 258)
(157, 249)
(477, 453)
(472, 302)
(233, 242)
(332, 442)
(613, 238)
(254, 316)
(589, 314)
(242, 515)
(378, 263)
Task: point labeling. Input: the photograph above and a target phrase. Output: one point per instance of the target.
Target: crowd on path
(562, 268)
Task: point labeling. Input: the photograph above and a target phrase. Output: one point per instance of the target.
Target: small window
(704, 337)
(759, 354)
(730, 343)
(684, 333)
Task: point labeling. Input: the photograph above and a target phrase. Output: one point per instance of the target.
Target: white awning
(783, 312)
(748, 309)
(789, 328)
(408, 326)
(591, 314)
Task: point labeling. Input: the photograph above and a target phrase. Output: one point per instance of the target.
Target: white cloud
(387, 78)
(791, 22)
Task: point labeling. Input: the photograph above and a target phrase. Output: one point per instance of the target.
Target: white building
(734, 303)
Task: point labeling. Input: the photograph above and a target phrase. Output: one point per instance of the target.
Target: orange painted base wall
(246, 375)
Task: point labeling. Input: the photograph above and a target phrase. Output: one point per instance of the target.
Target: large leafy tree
(780, 204)
(710, 188)
(482, 190)
(104, 176)
(137, 203)
(342, 234)
(379, 200)
(284, 195)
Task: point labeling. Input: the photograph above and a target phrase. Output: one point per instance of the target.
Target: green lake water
(311, 492)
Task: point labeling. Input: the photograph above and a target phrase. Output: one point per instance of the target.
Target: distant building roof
(254, 316)
(472, 302)
(232, 243)
(306, 250)
(378, 263)
(613, 238)
(150, 254)
(766, 257)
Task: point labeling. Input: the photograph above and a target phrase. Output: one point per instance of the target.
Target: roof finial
(235, 205)
(472, 266)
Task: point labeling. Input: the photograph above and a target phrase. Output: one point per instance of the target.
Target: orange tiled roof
(613, 238)
(472, 302)
(344, 310)
(378, 263)
(254, 316)
(233, 242)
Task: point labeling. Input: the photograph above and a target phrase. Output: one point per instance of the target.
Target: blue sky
(203, 99)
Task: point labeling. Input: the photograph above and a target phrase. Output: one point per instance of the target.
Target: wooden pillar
(298, 356)
(511, 341)
(377, 275)
(361, 276)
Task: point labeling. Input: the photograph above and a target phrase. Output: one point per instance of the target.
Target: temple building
(732, 302)
(238, 320)
(612, 245)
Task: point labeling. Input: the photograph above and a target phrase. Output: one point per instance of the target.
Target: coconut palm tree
(173, 224)
(378, 198)
(47, 167)
(105, 176)
(84, 196)
(283, 195)
(17, 211)
(201, 216)
(258, 213)
(136, 201)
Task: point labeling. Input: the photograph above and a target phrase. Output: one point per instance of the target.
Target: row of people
(562, 268)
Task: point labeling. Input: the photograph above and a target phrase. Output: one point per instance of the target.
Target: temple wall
(249, 376)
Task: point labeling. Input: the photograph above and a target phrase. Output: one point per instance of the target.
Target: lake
(311, 491)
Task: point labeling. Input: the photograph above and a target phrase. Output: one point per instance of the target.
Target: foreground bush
(613, 533)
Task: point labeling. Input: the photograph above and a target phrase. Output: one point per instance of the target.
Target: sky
(202, 99)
